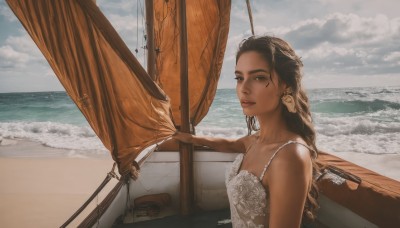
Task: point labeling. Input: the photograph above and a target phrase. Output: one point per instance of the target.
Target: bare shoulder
(295, 159)
(294, 153)
(289, 180)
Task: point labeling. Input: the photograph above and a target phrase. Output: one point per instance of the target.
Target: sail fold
(207, 31)
(125, 108)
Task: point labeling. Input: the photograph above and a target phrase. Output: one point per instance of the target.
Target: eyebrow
(253, 71)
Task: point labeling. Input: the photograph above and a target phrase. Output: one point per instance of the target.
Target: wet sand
(45, 192)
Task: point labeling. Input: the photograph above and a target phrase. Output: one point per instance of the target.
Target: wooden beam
(185, 150)
(250, 16)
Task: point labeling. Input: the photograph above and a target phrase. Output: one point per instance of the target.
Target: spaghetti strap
(276, 152)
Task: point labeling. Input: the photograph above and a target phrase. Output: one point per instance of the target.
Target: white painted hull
(160, 174)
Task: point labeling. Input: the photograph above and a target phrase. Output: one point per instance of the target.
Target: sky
(343, 43)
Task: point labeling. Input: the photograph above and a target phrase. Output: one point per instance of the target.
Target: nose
(244, 86)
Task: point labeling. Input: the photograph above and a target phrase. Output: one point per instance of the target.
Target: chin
(248, 113)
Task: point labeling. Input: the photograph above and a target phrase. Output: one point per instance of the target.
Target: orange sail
(207, 32)
(124, 106)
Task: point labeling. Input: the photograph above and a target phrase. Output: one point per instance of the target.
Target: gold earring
(288, 101)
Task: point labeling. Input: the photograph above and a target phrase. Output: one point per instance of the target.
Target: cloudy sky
(343, 43)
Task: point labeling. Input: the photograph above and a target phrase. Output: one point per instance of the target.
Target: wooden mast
(250, 16)
(185, 150)
(151, 58)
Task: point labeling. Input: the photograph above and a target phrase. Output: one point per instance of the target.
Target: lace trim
(247, 197)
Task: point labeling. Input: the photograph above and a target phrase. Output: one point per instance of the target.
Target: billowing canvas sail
(124, 106)
(207, 31)
(126, 109)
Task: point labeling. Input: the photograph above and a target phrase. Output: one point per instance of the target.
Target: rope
(91, 219)
(98, 211)
(250, 16)
(144, 35)
(110, 175)
(137, 28)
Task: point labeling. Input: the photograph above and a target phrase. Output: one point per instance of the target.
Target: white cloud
(18, 52)
(24, 43)
(362, 7)
(10, 57)
(334, 37)
(128, 19)
(343, 29)
(124, 23)
(347, 43)
(394, 56)
(6, 12)
(124, 6)
(340, 43)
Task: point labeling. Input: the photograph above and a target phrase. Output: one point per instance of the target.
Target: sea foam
(57, 135)
(362, 120)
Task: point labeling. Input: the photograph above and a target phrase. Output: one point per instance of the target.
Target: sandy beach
(45, 191)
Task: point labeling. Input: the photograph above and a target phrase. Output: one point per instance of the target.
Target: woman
(270, 183)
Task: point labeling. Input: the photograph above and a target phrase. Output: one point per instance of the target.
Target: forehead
(251, 60)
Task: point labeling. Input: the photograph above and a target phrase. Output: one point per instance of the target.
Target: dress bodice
(248, 199)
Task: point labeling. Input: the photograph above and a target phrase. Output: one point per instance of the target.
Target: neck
(273, 128)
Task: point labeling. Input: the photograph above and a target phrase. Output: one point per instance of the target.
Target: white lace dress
(248, 199)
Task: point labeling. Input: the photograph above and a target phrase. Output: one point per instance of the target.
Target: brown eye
(260, 78)
(239, 78)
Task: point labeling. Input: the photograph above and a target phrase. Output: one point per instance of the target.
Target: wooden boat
(130, 113)
(351, 196)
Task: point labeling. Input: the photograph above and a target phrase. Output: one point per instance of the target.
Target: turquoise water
(39, 107)
(364, 120)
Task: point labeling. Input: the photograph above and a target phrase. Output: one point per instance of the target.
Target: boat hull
(160, 174)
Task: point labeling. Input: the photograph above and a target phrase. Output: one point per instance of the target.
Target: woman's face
(257, 87)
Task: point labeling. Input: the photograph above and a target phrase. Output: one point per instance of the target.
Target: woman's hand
(183, 137)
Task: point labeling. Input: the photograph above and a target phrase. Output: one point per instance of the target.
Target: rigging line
(142, 12)
(137, 27)
(250, 16)
(110, 175)
(143, 36)
(98, 211)
(159, 35)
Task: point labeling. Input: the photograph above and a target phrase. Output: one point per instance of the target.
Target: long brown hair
(281, 57)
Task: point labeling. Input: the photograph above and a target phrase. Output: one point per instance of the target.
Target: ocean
(361, 120)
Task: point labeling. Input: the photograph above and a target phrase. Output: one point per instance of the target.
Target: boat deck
(205, 219)
(198, 220)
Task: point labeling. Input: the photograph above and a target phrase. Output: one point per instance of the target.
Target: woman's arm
(218, 144)
(289, 178)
